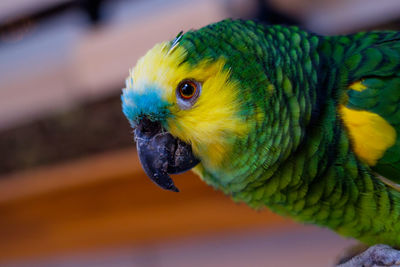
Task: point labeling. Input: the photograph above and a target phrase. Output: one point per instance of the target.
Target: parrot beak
(161, 154)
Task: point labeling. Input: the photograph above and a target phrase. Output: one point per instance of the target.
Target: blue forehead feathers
(149, 103)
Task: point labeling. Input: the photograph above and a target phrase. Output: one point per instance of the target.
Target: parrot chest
(322, 183)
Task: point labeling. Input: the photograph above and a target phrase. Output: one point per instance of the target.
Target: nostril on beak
(147, 128)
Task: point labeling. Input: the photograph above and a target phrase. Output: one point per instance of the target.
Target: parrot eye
(187, 89)
(187, 93)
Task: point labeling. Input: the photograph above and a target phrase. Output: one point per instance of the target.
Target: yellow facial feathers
(210, 122)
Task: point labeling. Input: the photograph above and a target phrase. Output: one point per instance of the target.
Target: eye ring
(187, 89)
(187, 92)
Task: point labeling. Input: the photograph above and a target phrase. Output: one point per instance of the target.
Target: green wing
(373, 100)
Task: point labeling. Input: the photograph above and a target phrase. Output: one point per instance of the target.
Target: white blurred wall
(63, 62)
(55, 65)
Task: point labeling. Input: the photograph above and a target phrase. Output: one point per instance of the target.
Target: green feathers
(299, 160)
(309, 104)
(270, 72)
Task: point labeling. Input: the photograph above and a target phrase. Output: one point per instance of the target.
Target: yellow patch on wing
(357, 86)
(371, 135)
(213, 118)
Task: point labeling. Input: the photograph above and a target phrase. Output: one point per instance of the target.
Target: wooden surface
(107, 201)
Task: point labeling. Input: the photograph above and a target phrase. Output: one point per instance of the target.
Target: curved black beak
(161, 154)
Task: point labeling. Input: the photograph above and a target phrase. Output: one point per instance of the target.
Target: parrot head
(182, 112)
(192, 102)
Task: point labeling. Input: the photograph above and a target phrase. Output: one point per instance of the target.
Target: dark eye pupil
(187, 89)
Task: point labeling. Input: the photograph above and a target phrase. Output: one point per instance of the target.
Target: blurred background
(72, 192)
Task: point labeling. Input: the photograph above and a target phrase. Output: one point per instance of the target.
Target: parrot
(275, 116)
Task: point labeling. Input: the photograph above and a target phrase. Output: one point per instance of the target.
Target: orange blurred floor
(104, 211)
